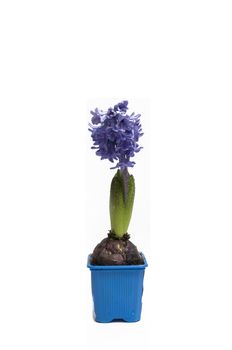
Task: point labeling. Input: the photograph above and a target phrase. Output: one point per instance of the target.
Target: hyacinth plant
(115, 134)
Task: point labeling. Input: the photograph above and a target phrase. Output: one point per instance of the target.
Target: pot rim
(116, 267)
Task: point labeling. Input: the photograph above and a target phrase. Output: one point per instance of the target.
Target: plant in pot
(117, 267)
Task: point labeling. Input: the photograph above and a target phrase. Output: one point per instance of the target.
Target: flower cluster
(115, 134)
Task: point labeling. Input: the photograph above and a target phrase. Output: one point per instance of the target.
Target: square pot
(117, 291)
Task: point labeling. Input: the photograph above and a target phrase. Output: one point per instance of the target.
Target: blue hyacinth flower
(115, 134)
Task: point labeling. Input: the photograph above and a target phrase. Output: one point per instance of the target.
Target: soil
(115, 251)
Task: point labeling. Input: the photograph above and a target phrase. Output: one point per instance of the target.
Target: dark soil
(114, 251)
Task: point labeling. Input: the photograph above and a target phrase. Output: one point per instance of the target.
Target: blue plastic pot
(117, 291)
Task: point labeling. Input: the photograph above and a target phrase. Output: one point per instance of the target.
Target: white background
(172, 59)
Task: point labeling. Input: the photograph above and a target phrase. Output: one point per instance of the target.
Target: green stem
(122, 193)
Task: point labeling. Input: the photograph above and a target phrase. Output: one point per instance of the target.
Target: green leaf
(122, 194)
